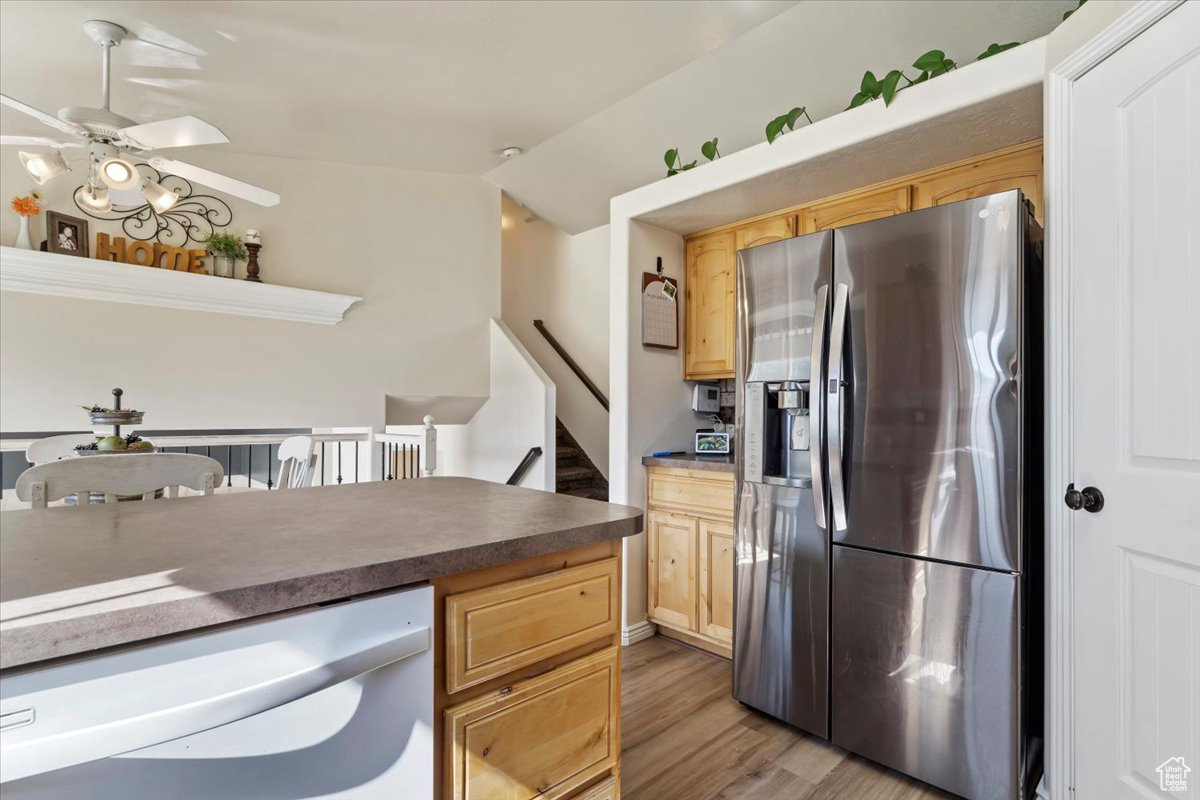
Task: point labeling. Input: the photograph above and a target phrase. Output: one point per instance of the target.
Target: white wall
(422, 250)
(563, 280)
(518, 415)
(651, 403)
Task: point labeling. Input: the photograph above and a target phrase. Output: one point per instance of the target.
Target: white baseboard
(642, 630)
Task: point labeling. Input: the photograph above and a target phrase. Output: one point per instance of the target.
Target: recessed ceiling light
(511, 152)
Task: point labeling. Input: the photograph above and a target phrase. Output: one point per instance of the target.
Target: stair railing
(526, 462)
(579, 373)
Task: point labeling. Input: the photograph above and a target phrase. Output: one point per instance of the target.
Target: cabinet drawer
(712, 496)
(605, 790)
(493, 631)
(543, 737)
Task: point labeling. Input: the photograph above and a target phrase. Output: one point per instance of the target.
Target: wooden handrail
(524, 466)
(579, 373)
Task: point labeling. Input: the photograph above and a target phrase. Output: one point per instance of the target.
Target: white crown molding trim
(1059, 779)
(35, 272)
(637, 632)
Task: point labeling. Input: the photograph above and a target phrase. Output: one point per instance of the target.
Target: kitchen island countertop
(77, 580)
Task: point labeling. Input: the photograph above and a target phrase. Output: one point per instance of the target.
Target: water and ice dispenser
(776, 431)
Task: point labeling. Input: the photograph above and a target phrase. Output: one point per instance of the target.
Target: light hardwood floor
(684, 737)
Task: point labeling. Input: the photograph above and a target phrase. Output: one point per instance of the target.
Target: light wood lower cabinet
(716, 580)
(527, 669)
(543, 737)
(672, 564)
(498, 629)
(690, 556)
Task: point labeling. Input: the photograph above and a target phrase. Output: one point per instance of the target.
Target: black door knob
(1089, 498)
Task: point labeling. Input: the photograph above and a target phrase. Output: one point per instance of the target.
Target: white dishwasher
(328, 702)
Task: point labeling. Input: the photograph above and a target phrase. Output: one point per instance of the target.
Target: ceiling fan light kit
(159, 197)
(93, 198)
(43, 166)
(111, 139)
(119, 174)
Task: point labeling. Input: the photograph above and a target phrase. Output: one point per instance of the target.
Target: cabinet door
(716, 579)
(671, 569)
(856, 208)
(709, 313)
(543, 737)
(1021, 169)
(765, 231)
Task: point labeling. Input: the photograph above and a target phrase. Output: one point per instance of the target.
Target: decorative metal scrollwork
(194, 217)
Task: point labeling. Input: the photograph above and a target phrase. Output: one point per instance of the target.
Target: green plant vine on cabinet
(930, 65)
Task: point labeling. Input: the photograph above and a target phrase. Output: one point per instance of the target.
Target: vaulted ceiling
(440, 86)
(594, 91)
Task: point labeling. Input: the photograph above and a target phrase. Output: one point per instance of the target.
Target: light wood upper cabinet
(765, 231)
(716, 579)
(544, 737)
(1017, 169)
(710, 313)
(856, 208)
(671, 565)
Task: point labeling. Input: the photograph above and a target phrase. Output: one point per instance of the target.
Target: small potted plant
(225, 249)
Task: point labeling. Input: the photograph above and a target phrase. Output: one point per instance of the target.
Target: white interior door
(1134, 213)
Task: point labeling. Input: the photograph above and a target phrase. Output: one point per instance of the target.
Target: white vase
(23, 241)
(222, 267)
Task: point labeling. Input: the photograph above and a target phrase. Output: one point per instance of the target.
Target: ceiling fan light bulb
(119, 174)
(93, 198)
(160, 198)
(43, 166)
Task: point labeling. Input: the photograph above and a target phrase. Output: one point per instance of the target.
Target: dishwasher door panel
(335, 702)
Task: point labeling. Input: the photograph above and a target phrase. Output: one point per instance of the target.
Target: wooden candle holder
(252, 262)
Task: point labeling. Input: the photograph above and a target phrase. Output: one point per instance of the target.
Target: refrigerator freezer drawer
(925, 670)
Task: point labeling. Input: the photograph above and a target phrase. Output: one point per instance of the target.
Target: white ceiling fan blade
(215, 180)
(40, 116)
(36, 141)
(177, 132)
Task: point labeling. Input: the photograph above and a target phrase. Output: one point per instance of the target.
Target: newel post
(430, 447)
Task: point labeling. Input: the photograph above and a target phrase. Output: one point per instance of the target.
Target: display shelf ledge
(35, 272)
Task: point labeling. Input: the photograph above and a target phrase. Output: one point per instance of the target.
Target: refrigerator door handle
(833, 385)
(816, 401)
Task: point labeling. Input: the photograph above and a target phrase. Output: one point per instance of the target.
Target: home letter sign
(146, 254)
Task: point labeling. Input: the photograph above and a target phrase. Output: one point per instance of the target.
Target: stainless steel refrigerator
(887, 579)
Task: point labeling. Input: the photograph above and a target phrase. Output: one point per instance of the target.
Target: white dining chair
(117, 476)
(297, 462)
(56, 448)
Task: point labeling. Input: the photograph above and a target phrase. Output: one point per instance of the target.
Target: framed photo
(66, 235)
(712, 444)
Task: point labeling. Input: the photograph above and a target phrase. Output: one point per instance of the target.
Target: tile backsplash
(728, 401)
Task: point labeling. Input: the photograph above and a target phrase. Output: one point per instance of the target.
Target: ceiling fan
(113, 140)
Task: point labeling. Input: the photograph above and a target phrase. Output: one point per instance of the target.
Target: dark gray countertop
(75, 580)
(691, 461)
